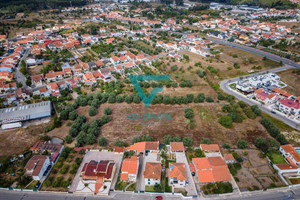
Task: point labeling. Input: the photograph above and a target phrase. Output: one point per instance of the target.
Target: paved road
(21, 195)
(20, 77)
(274, 194)
(257, 52)
(224, 86)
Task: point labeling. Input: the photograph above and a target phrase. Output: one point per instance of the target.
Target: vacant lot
(291, 79)
(18, 140)
(256, 172)
(206, 121)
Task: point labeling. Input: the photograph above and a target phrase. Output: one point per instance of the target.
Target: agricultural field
(256, 173)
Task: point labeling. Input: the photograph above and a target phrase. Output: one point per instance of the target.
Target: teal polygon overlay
(147, 100)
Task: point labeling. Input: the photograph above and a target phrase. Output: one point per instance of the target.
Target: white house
(36, 166)
(152, 173)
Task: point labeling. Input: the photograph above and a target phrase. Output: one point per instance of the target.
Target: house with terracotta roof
(176, 147)
(152, 173)
(36, 166)
(129, 169)
(228, 157)
(211, 169)
(177, 174)
(54, 149)
(37, 80)
(99, 171)
(289, 151)
(144, 147)
(210, 148)
(292, 158)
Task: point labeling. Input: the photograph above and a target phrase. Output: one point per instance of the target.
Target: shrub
(188, 113)
(205, 141)
(242, 144)
(108, 111)
(226, 146)
(226, 121)
(119, 143)
(102, 141)
(168, 139)
(209, 99)
(187, 141)
(92, 111)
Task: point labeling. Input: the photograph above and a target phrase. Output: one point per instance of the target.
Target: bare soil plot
(256, 173)
(18, 140)
(292, 80)
(36, 69)
(206, 120)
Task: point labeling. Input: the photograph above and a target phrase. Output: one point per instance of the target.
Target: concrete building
(25, 112)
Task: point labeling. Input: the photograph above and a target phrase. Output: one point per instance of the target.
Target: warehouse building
(25, 112)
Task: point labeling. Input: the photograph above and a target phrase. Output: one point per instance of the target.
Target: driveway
(98, 155)
(190, 188)
(140, 183)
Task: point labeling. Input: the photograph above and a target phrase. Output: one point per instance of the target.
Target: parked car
(158, 197)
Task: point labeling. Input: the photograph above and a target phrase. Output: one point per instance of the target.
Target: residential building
(177, 174)
(211, 169)
(129, 169)
(210, 148)
(144, 147)
(99, 171)
(176, 147)
(36, 166)
(152, 173)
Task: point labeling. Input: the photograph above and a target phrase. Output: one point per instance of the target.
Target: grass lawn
(131, 188)
(277, 158)
(121, 185)
(232, 86)
(31, 186)
(149, 188)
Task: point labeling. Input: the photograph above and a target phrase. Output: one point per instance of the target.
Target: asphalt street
(225, 87)
(257, 52)
(274, 194)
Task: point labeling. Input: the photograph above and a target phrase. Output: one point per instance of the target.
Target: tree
(107, 111)
(68, 139)
(226, 146)
(168, 139)
(261, 143)
(157, 187)
(73, 115)
(23, 68)
(147, 138)
(92, 111)
(28, 82)
(119, 143)
(242, 144)
(90, 139)
(209, 99)
(187, 141)
(177, 139)
(81, 139)
(136, 139)
(205, 141)
(19, 85)
(188, 113)
(226, 121)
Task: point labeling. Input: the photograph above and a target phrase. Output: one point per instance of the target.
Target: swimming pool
(298, 150)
